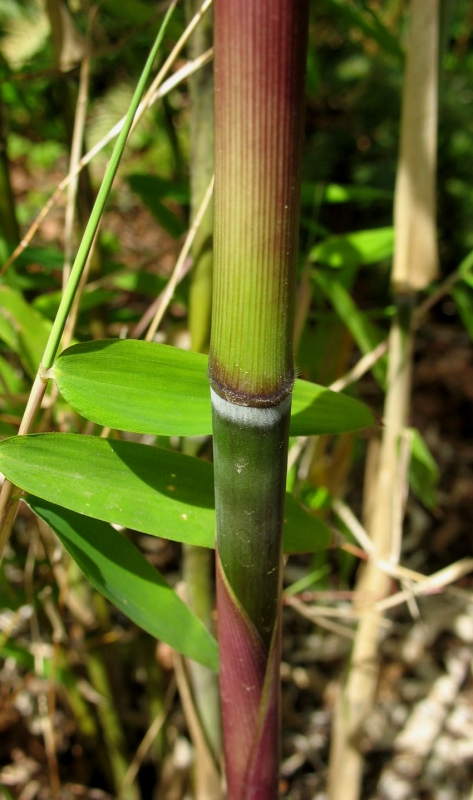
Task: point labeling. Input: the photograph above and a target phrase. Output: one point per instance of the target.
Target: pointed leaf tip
(147, 388)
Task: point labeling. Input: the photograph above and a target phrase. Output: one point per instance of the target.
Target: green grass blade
(120, 572)
(149, 489)
(97, 211)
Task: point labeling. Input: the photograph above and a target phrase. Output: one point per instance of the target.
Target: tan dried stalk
(415, 266)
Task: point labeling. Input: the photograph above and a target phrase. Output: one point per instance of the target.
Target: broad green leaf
(23, 328)
(313, 405)
(137, 386)
(423, 470)
(366, 335)
(352, 249)
(153, 490)
(144, 387)
(145, 488)
(303, 532)
(119, 571)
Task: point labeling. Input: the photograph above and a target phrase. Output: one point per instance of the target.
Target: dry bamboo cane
(259, 78)
(415, 266)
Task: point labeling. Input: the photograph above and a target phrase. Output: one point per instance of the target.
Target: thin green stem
(97, 211)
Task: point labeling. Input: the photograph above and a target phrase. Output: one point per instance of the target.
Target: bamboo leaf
(365, 334)
(337, 193)
(48, 304)
(150, 190)
(156, 389)
(423, 470)
(22, 328)
(137, 386)
(463, 295)
(119, 571)
(372, 28)
(150, 489)
(317, 409)
(303, 532)
(353, 249)
(144, 488)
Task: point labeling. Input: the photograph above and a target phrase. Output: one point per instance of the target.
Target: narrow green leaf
(423, 470)
(366, 335)
(372, 28)
(144, 387)
(150, 190)
(149, 489)
(353, 249)
(120, 572)
(23, 328)
(462, 293)
(336, 193)
(99, 205)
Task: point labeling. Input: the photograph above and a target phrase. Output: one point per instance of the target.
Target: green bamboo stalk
(259, 79)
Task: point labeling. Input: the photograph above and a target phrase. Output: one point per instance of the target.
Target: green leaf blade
(144, 488)
(317, 411)
(150, 489)
(120, 572)
(148, 388)
(137, 386)
(354, 249)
